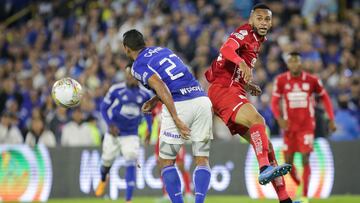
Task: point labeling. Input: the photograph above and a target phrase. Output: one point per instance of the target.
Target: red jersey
(297, 103)
(226, 72)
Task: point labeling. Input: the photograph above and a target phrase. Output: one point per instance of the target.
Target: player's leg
(169, 146)
(305, 142)
(201, 136)
(249, 117)
(290, 147)
(279, 182)
(130, 146)
(202, 172)
(169, 173)
(306, 173)
(180, 163)
(110, 150)
(289, 158)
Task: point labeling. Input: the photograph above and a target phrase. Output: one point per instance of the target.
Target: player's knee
(166, 162)
(257, 119)
(107, 162)
(305, 159)
(131, 156)
(202, 161)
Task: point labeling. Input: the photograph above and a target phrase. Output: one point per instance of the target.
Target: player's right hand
(282, 123)
(183, 128)
(254, 90)
(246, 73)
(114, 130)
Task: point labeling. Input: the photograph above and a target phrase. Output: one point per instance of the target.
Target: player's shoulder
(282, 76)
(117, 87)
(310, 77)
(244, 29)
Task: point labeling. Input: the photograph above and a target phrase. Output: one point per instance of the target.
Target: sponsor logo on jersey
(238, 35)
(305, 86)
(130, 111)
(139, 99)
(172, 135)
(188, 90)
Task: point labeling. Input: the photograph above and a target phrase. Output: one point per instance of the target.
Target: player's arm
(228, 51)
(164, 95)
(275, 104)
(104, 108)
(328, 108)
(149, 105)
(324, 96)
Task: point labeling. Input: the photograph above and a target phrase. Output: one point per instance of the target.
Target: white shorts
(197, 115)
(128, 146)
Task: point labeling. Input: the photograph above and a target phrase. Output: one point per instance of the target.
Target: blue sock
(172, 183)
(201, 177)
(130, 181)
(104, 170)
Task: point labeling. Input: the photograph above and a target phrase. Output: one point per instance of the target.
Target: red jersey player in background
(296, 88)
(180, 160)
(230, 75)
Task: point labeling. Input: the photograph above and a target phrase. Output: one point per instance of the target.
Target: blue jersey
(122, 107)
(170, 69)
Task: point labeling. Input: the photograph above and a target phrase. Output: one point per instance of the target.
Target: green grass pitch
(214, 199)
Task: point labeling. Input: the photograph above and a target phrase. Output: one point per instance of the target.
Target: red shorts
(226, 102)
(180, 156)
(298, 141)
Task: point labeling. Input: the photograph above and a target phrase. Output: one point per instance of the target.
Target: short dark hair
(260, 6)
(294, 53)
(134, 40)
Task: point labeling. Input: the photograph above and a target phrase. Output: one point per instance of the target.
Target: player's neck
(296, 74)
(135, 54)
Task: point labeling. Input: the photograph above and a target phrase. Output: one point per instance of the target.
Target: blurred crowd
(82, 39)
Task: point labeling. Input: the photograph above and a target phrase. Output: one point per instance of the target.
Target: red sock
(306, 179)
(294, 175)
(186, 178)
(259, 141)
(278, 183)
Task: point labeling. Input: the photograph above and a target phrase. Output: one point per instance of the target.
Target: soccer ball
(66, 92)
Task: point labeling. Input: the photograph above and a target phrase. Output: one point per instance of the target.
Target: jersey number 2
(171, 67)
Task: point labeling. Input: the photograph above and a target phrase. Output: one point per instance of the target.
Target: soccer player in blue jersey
(187, 111)
(121, 109)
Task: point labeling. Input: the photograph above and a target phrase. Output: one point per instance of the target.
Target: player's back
(170, 69)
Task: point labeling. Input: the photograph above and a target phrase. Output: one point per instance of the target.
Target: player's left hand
(253, 89)
(332, 126)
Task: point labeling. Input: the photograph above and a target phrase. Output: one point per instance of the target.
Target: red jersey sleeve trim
(327, 104)
(275, 106)
(228, 51)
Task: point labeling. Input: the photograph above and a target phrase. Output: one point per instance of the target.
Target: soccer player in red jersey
(229, 77)
(296, 88)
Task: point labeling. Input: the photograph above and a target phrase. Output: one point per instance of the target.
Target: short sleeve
(142, 72)
(318, 86)
(239, 36)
